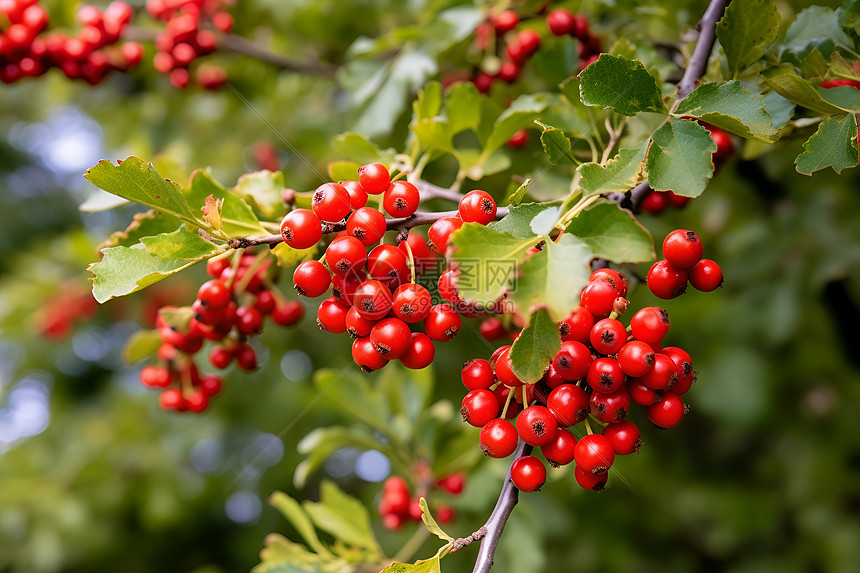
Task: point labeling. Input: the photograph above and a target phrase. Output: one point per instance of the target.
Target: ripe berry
(401, 199)
(246, 357)
(248, 320)
(442, 323)
(577, 326)
(492, 329)
(391, 337)
(528, 473)
(288, 313)
(356, 325)
(357, 194)
(477, 373)
(569, 404)
(610, 408)
(372, 300)
(211, 385)
(411, 303)
(265, 302)
(220, 357)
(624, 436)
(374, 178)
(447, 286)
(650, 324)
(479, 407)
(655, 202)
(503, 369)
(589, 480)
(682, 248)
(529, 40)
(667, 412)
(663, 375)
(311, 279)
(519, 139)
(171, 399)
(615, 277)
(366, 356)
(682, 361)
(561, 22)
(155, 377)
(214, 267)
(505, 21)
(706, 275)
(608, 336)
(331, 202)
(301, 229)
(422, 256)
(343, 287)
(594, 454)
(440, 232)
(214, 294)
(605, 375)
(536, 425)
(666, 281)
(642, 394)
(387, 263)
(420, 353)
(573, 360)
(345, 254)
(598, 297)
(498, 438)
(197, 401)
(453, 483)
(367, 225)
(559, 452)
(636, 358)
(331, 315)
(478, 207)
(725, 147)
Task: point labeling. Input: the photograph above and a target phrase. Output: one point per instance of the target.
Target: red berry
(594, 454)
(343, 287)
(442, 323)
(618, 280)
(725, 147)
(678, 201)
(529, 40)
(171, 399)
(301, 229)
(331, 202)
(504, 21)
(528, 473)
(503, 369)
(624, 436)
(682, 361)
(573, 360)
(223, 21)
(248, 320)
(357, 194)
(211, 385)
(374, 178)
(288, 314)
(453, 483)
(477, 373)
(391, 337)
(311, 279)
(608, 336)
(610, 408)
(366, 356)
(682, 248)
(519, 139)
(706, 275)
(492, 329)
(420, 353)
(640, 393)
(214, 294)
(411, 303)
(440, 232)
(331, 315)
(536, 425)
(478, 207)
(598, 297)
(498, 438)
(561, 22)
(666, 281)
(356, 325)
(668, 411)
(372, 300)
(401, 199)
(636, 358)
(367, 225)
(605, 376)
(345, 254)
(577, 326)
(424, 259)
(509, 72)
(589, 480)
(265, 302)
(663, 375)
(655, 202)
(479, 407)
(569, 404)
(559, 452)
(650, 324)
(220, 357)
(246, 357)
(387, 263)
(155, 377)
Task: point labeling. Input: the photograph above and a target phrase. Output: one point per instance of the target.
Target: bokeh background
(763, 475)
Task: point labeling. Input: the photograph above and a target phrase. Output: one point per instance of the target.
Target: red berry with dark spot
(331, 202)
(391, 337)
(372, 300)
(442, 323)
(624, 436)
(401, 199)
(666, 281)
(608, 336)
(498, 438)
(594, 454)
(478, 207)
(572, 360)
(668, 411)
(598, 297)
(536, 425)
(440, 232)
(605, 375)
(366, 356)
(311, 279)
(331, 315)
(479, 407)
(650, 324)
(345, 254)
(569, 404)
(477, 373)
(682, 248)
(610, 408)
(411, 303)
(301, 229)
(636, 358)
(589, 480)
(367, 225)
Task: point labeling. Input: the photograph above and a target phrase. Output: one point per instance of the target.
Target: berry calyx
(478, 207)
(682, 248)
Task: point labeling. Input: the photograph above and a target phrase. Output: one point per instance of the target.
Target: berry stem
(234, 267)
(588, 427)
(410, 259)
(507, 403)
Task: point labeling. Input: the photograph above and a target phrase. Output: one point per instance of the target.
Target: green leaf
(280, 555)
(407, 394)
(535, 348)
(745, 31)
(487, 261)
(142, 344)
(553, 278)
(425, 566)
(731, 107)
(783, 80)
(145, 224)
(353, 395)
(556, 145)
(845, 97)
(290, 257)
(430, 523)
(815, 27)
(680, 158)
(517, 196)
(620, 84)
(180, 245)
(429, 102)
(323, 442)
(620, 173)
(263, 189)
(358, 148)
(779, 109)
(463, 107)
(345, 517)
(849, 16)
(237, 217)
(833, 145)
(558, 60)
(137, 181)
(434, 134)
(519, 219)
(842, 67)
(293, 512)
(520, 114)
(124, 270)
(613, 234)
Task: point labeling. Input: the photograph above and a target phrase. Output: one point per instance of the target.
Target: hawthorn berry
(666, 412)
(401, 199)
(442, 322)
(171, 399)
(356, 325)
(288, 313)
(220, 357)
(682, 248)
(504, 21)
(605, 375)
(477, 373)
(503, 369)
(577, 325)
(155, 377)
(559, 451)
(357, 194)
(214, 294)
(636, 358)
(411, 303)
(391, 337)
(331, 202)
(589, 480)
(374, 178)
(331, 315)
(311, 279)
(617, 278)
(498, 438)
(477, 206)
(569, 404)
(301, 229)
(598, 297)
(594, 454)
(666, 281)
(479, 407)
(650, 324)
(366, 356)
(528, 473)
(610, 408)
(663, 375)
(561, 22)
(624, 436)
(492, 329)
(440, 232)
(372, 300)
(367, 225)
(420, 353)
(343, 287)
(642, 394)
(536, 425)
(607, 336)
(345, 254)
(248, 320)
(387, 263)
(706, 275)
(572, 360)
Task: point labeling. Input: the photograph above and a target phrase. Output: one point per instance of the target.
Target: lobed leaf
(519, 219)
(344, 517)
(613, 234)
(623, 85)
(833, 145)
(680, 158)
(745, 31)
(731, 107)
(783, 80)
(620, 173)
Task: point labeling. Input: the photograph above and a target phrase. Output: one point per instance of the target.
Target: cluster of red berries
(373, 295)
(601, 369)
(657, 201)
(517, 51)
(683, 262)
(228, 309)
(562, 22)
(397, 505)
(26, 52)
(188, 36)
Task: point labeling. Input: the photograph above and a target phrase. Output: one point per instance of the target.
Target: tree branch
(508, 498)
(429, 191)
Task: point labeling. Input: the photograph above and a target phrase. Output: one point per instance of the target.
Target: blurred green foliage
(764, 475)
